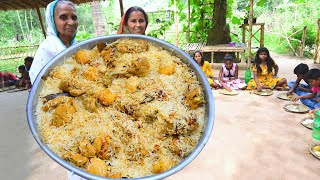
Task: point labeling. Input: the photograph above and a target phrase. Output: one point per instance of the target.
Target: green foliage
(160, 29)
(83, 35)
(286, 19)
(10, 65)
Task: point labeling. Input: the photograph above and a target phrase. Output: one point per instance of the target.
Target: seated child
(28, 62)
(295, 86)
(7, 79)
(206, 68)
(24, 80)
(263, 76)
(228, 75)
(312, 100)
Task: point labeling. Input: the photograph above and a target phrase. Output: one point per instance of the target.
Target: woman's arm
(308, 96)
(222, 82)
(255, 77)
(294, 86)
(276, 69)
(208, 69)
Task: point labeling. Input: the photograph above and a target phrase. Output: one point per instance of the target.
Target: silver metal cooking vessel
(89, 44)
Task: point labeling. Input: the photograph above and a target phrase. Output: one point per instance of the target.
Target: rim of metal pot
(89, 44)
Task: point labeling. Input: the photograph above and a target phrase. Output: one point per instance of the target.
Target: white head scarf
(50, 47)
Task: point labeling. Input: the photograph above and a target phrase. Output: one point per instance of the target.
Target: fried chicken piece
(179, 147)
(132, 84)
(75, 71)
(173, 146)
(86, 148)
(101, 46)
(91, 74)
(90, 103)
(97, 166)
(102, 144)
(107, 55)
(139, 67)
(194, 98)
(56, 102)
(161, 165)
(115, 175)
(193, 123)
(167, 69)
(131, 45)
(85, 56)
(63, 114)
(76, 158)
(73, 87)
(106, 97)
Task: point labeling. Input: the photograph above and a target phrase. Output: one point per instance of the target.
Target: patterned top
(228, 73)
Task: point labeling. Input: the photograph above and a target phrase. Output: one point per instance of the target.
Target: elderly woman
(62, 25)
(134, 21)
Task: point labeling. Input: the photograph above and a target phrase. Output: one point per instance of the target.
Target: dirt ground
(253, 136)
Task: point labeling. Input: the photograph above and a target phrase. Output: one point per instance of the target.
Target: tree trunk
(220, 32)
(97, 18)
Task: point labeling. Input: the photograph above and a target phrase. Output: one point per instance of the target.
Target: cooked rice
(139, 140)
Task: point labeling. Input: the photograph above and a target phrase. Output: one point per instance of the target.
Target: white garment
(50, 47)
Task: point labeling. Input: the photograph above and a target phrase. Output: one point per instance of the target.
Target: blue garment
(311, 103)
(297, 90)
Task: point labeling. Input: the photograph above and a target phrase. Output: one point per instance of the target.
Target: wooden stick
(176, 22)
(250, 33)
(40, 19)
(188, 33)
(121, 8)
(316, 50)
(303, 43)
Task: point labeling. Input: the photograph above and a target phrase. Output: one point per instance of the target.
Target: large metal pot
(89, 44)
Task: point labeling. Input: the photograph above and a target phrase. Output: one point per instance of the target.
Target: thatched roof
(29, 4)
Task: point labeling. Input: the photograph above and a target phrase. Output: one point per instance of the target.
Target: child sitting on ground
(263, 76)
(312, 100)
(295, 86)
(7, 79)
(28, 62)
(228, 75)
(24, 80)
(206, 68)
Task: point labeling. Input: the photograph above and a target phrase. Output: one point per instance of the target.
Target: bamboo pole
(176, 22)
(303, 41)
(316, 49)
(121, 7)
(250, 33)
(262, 36)
(188, 33)
(40, 19)
(20, 24)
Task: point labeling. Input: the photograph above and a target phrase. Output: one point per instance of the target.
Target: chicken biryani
(126, 109)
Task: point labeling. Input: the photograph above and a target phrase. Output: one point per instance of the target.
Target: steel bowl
(89, 44)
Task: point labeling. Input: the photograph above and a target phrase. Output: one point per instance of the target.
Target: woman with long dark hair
(265, 72)
(206, 68)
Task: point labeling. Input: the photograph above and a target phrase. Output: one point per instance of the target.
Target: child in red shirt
(7, 79)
